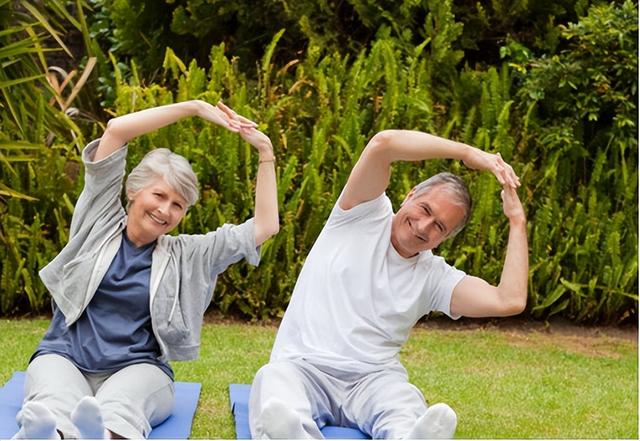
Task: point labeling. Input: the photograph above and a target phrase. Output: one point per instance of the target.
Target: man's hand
(476, 159)
(511, 204)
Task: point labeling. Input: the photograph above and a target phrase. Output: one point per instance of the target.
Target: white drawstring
(175, 299)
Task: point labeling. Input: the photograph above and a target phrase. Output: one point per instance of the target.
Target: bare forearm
(370, 176)
(266, 220)
(124, 128)
(513, 281)
(411, 145)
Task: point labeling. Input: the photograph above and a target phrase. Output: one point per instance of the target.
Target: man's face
(154, 210)
(423, 222)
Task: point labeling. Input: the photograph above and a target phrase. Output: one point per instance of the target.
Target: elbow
(380, 144)
(112, 125)
(517, 306)
(266, 232)
(114, 129)
(380, 140)
(275, 229)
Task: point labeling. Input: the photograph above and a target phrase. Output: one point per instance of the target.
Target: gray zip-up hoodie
(184, 268)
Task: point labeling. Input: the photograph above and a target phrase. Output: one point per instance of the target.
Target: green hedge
(566, 123)
(141, 29)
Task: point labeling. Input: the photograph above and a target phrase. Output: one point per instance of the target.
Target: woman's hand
(477, 159)
(266, 219)
(247, 129)
(218, 116)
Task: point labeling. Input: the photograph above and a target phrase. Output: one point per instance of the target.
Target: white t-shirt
(356, 299)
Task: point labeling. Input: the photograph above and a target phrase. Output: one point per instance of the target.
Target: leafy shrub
(143, 29)
(39, 143)
(321, 109)
(584, 114)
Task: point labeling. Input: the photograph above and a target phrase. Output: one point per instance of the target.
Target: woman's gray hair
(456, 188)
(173, 168)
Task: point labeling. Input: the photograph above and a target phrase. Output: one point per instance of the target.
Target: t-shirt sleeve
(439, 285)
(370, 211)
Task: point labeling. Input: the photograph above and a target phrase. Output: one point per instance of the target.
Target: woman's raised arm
(266, 219)
(124, 128)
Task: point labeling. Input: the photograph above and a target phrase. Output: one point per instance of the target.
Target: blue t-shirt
(115, 330)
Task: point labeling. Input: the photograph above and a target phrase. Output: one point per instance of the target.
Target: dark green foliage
(565, 120)
(143, 29)
(586, 150)
(38, 149)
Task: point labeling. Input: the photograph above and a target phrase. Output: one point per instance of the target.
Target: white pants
(132, 400)
(382, 404)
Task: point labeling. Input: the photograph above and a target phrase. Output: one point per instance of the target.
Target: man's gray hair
(173, 168)
(456, 188)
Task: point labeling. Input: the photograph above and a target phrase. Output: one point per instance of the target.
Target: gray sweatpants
(132, 400)
(382, 404)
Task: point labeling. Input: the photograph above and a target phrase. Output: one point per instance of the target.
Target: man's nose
(424, 224)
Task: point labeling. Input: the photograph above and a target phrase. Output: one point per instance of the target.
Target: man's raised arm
(370, 176)
(474, 297)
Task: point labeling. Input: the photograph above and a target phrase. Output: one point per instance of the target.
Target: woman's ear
(131, 196)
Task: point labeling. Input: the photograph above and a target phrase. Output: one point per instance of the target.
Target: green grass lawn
(502, 383)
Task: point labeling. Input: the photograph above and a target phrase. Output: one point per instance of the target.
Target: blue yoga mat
(239, 397)
(177, 426)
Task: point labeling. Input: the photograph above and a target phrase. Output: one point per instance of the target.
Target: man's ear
(409, 195)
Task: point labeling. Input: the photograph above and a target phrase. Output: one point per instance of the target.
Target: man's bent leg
(385, 405)
(134, 399)
(286, 402)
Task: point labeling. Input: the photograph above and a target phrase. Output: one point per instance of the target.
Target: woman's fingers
(247, 121)
(227, 110)
(243, 122)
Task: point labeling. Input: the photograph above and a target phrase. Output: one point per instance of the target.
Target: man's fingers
(498, 171)
(509, 176)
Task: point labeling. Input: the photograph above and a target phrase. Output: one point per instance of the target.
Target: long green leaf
(10, 83)
(45, 23)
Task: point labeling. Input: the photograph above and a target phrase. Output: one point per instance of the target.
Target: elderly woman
(128, 297)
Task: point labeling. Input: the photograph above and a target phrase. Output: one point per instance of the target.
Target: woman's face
(153, 211)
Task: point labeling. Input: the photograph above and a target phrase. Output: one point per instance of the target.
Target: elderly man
(368, 279)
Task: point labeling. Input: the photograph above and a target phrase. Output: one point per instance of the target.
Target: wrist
(265, 151)
(518, 221)
(266, 158)
(194, 107)
(466, 152)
